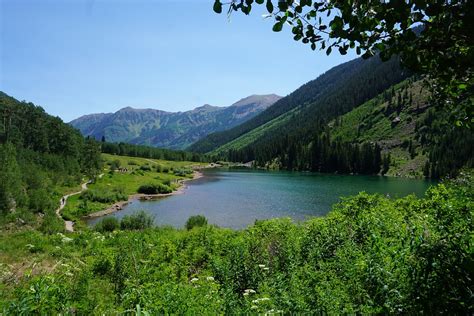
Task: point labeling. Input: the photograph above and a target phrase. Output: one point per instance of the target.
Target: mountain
(364, 116)
(333, 93)
(174, 130)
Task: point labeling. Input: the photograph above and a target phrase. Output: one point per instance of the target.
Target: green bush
(132, 163)
(182, 172)
(136, 221)
(107, 224)
(196, 221)
(103, 196)
(154, 188)
(145, 168)
(115, 164)
(369, 255)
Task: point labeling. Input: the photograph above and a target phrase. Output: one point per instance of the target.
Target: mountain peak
(260, 99)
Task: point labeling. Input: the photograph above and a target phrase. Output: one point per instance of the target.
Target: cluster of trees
(322, 155)
(449, 148)
(38, 154)
(124, 149)
(370, 255)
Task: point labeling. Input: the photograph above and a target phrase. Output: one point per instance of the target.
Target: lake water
(236, 198)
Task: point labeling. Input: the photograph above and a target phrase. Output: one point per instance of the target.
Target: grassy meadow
(121, 177)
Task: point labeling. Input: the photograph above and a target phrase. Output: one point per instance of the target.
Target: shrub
(196, 221)
(107, 224)
(103, 196)
(154, 188)
(132, 163)
(145, 168)
(114, 165)
(138, 220)
(183, 172)
(165, 169)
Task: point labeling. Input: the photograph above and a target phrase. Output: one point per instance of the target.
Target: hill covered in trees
(333, 93)
(170, 130)
(40, 156)
(372, 120)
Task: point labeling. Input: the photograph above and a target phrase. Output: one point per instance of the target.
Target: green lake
(236, 198)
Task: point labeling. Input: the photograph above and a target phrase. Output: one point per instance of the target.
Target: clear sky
(76, 57)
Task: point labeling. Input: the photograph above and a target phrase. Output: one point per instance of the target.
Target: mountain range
(174, 130)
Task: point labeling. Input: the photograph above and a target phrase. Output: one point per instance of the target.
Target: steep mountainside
(170, 130)
(398, 133)
(334, 93)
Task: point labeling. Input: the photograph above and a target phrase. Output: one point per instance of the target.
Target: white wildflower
(209, 278)
(261, 266)
(254, 307)
(66, 239)
(194, 280)
(246, 293)
(266, 269)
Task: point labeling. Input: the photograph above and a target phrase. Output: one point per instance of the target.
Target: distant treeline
(132, 150)
(322, 155)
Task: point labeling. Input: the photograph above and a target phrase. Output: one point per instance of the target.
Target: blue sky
(75, 57)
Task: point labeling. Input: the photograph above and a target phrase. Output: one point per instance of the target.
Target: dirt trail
(69, 225)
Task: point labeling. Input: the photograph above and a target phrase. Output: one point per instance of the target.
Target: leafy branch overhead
(434, 37)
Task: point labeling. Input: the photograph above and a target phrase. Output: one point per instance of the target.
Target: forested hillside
(40, 156)
(359, 127)
(414, 137)
(175, 130)
(334, 93)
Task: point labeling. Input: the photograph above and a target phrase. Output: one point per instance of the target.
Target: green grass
(369, 255)
(126, 183)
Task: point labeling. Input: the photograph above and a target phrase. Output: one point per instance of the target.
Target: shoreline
(118, 206)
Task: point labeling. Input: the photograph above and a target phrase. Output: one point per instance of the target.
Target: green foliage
(154, 188)
(183, 172)
(431, 37)
(107, 224)
(145, 168)
(369, 255)
(114, 164)
(40, 157)
(103, 196)
(196, 221)
(138, 220)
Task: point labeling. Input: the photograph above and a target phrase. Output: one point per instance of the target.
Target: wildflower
(30, 246)
(246, 293)
(66, 239)
(261, 266)
(209, 278)
(266, 269)
(254, 307)
(250, 291)
(194, 280)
